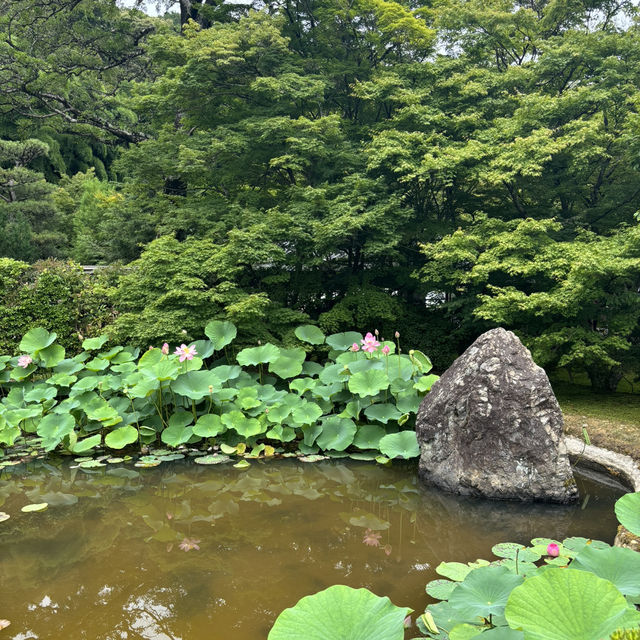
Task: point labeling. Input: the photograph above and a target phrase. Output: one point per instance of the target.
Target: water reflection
(195, 552)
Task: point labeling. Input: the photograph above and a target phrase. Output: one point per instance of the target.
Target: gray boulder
(491, 427)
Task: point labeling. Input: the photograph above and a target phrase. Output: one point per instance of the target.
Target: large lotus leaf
(567, 604)
(144, 388)
(221, 333)
(111, 353)
(204, 348)
(618, 565)
(161, 371)
(306, 413)
(343, 341)
(91, 344)
(53, 428)
(121, 437)
(40, 393)
(400, 367)
(333, 373)
(325, 392)
(128, 354)
(400, 445)
(22, 373)
(209, 426)
(484, 592)
(425, 383)
(500, 633)
(454, 570)
(244, 426)
(366, 364)
(51, 356)
(309, 333)
(289, 363)
(408, 401)
(311, 369)
(440, 589)
(99, 409)
(15, 416)
(302, 385)
(36, 339)
(382, 412)
(283, 434)
(628, 512)
(95, 364)
(258, 355)
(196, 385)
(226, 372)
(420, 360)
(337, 433)
(368, 383)
(310, 433)
(68, 366)
(176, 435)
(514, 550)
(446, 617)
(149, 358)
(341, 612)
(87, 383)
(8, 434)
(369, 436)
(464, 631)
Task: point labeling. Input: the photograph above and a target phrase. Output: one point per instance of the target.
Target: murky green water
(105, 561)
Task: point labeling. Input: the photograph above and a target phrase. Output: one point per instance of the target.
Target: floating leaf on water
(364, 455)
(214, 458)
(4, 624)
(91, 464)
(243, 464)
(145, 462)
(3, 516)
(114, 460)
(171, 456)
(628, 512)
(29, 508)
(312, 458)
(228, 449)
(440, 589)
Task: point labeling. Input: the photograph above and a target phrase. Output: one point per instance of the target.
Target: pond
(188, 552)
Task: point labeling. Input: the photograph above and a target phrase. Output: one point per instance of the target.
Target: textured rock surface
(491, 426)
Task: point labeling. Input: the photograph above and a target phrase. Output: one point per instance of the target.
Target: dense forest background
(432, 167)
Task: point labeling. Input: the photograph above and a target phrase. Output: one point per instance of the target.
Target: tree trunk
(605, 379)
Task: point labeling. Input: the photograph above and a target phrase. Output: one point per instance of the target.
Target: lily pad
(121, 437)
(341, 612)
(242, 464)
(4, 516)
(628, 512)
(400, 445)
(32, 508)
(214, 458)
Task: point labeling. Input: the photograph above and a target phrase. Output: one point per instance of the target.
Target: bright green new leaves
(53, 428)
(51, 355)
(337, 433)
(306, 413)
(368, 383)
(484, 592)
(121, 437)
(309, 333)
(400, 445)
(341, 612)
(628, 512)
(36, 340)
(221, 333)
(178, 432)
(258, 355)
(242, 425)
(566, 604)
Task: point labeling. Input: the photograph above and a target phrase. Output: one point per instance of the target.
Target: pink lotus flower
(355, 347)
(371, 538)
(189, 543)
(386, 349)
(165, 348)
(24, 361)
(553, 550)
(369, 343)
(387, 549)
(185, 353)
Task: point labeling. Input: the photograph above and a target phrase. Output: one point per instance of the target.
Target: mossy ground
(612, 420)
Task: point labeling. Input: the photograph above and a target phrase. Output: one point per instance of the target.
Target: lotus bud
(210, 388)
(376, 332)
(553, 550)
(397, 334)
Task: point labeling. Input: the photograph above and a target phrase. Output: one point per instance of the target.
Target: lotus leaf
(568, 604)
(400, 445)
(368, 436)
(36, 340)
(628, 512)
(341, 612)
(221, 333)
(51, 356)
(484, 592)
(309, 333)
(86, 444)
(425, 383)
(306, 413)
(343, 341)
(204, 348)
(97, 364)
(31, 508)
(289, 363)
(92, 344)
(244, 426)
(196, 385)
(333, 373)
(121, 437)
(337, 433)
(214, 458)
(209, 426)
(455, 570)
(258, 355)
(440, 589)
(53, 428)
(368, 383)
(616, 564)
(382, 412)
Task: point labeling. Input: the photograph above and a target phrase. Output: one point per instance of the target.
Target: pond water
(188, 552)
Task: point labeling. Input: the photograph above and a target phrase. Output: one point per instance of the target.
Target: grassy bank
(612, 420)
